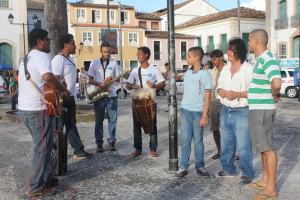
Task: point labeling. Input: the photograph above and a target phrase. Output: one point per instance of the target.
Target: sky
(154, 5)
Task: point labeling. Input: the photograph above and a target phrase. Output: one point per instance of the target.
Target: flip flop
(264, 195)
(256, 186)
(216, 156)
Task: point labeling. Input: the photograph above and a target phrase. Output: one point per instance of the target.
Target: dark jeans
(137, 133)
(40, 128)
(14, 102)
(111, 105)
(68, 119)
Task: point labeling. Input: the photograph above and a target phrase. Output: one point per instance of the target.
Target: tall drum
(144, 107)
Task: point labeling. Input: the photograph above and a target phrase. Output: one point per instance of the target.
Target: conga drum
(144, 107)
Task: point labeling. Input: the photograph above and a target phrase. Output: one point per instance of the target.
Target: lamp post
(11, 19)
(80, 46)
(120, 7)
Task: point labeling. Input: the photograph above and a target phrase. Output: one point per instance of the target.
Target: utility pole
(239, 19)
(120, 49)
(108, 26)
(55, 22)
(172, 102)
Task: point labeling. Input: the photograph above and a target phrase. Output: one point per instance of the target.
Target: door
(224, 43)
(156, 50)
(246, 39)
(296, 47)
(211, 44)
(6, 54)
(133, 64)
(297, 7)
(283, 9)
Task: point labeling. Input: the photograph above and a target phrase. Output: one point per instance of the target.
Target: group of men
(240, 99)
(227, 92)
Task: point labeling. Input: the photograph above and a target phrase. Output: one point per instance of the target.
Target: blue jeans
(235, 134)
(39, 126)
(111, 105)
(14, 102)
(68, 118)
(190, 129)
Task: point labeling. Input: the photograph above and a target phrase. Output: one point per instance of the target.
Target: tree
(56, 22)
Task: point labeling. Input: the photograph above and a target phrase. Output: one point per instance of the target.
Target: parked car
(3, 89)
(287, 85)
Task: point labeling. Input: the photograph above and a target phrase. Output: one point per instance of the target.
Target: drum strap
(140, 76)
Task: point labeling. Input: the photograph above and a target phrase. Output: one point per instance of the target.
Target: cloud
(256, 4)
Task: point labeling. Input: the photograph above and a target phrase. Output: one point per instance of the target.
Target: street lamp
(11, 19)
(80, 46)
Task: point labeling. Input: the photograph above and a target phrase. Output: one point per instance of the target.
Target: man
(14, 98)
(149, 75)
(64, 69)
(215, 105)
(100, 73)
(232, 90)
(82, 81)
(263, 93)
(32, 111)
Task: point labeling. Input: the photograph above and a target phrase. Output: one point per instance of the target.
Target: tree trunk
(56, 22)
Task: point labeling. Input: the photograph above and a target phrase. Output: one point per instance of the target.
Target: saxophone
(99, 93)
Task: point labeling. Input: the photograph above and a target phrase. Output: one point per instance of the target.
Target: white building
(186, 11)
(282, 25)
(215, 30)
(11, 36)
(35, 7)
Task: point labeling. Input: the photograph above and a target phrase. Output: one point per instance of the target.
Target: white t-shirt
(96, 70)
(38, 64)
(152, 74)
(66, 69)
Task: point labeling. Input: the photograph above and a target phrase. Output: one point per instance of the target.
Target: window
(246, 40)
(96, 16)
(154, 26)
(38, 24)
(296, 47)
(183, 50)
(143, 24)
(200, 42)
(283, 74)
(224, 43)
(87, 38)
(133, 39)
(112, 17)
(125, 17)
(283, 9)
(4, 3)
(133, 64)
(86, 65)
(99, 38)
(81, 17)
(291, 73)
(211, 44)
(185, 66)
(156, 50)
(282, 51)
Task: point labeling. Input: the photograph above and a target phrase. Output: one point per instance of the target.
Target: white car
(3, 88)
(287, 86)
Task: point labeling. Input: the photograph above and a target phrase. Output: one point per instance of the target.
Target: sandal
(256, 185)
(216, 156)
(264, 196)
(135, 154)
(154, 154)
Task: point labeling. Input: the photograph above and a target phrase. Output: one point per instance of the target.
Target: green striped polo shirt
(260, 93)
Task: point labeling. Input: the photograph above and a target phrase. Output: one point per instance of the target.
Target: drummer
(150, 77)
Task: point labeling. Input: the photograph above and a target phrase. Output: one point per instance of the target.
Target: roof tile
(140, 15)
(35, 4)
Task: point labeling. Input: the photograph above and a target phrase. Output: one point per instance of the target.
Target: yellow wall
(89, 53)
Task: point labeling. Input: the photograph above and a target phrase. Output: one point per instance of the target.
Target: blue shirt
(195, 86)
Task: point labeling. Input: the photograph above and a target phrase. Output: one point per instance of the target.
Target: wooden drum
(144, 107)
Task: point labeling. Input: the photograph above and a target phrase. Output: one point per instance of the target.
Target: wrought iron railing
(295, 20)
(281, 23)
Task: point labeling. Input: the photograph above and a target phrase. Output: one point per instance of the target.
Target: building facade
(12, 36)
(88, 23)
(283, 27)
(35, 7)
(214, 31)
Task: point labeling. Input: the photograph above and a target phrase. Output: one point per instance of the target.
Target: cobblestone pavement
(115, 175)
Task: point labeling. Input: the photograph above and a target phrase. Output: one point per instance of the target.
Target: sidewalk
(115, 175)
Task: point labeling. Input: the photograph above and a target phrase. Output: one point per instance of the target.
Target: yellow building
(88, 24)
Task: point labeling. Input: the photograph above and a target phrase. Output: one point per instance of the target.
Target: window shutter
(200, 42)
(298, 7)
(224, 43)
(143, 24)
(296, 46)
(246, 39)
(154, 25)
(283, 9)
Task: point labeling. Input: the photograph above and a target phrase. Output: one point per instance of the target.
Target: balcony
(157, 55)
(281, 23)
(183, 55)
(295, 20)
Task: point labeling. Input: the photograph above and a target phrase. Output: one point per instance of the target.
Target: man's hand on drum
(203, 122)
(150, 84)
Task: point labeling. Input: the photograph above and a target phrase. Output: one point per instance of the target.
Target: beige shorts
(214, 112)
(261, 129)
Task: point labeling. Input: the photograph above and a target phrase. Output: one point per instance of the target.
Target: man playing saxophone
(102, 71)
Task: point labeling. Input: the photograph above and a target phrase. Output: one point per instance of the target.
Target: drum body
(145, 113)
